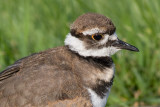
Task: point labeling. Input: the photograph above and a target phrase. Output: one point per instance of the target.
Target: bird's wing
(13, 69)
(9, 71)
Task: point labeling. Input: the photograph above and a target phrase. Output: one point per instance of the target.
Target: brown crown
(92, 20)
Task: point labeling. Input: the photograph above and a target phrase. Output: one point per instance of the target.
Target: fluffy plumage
(77, 74)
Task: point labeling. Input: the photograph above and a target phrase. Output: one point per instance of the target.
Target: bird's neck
(99, 61)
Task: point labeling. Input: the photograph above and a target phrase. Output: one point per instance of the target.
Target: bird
(78, 74)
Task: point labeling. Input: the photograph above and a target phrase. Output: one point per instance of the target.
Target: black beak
(123, 45)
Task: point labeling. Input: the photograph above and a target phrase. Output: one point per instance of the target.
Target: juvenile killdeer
(78, 74)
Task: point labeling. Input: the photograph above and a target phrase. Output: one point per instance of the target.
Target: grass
(29, 26)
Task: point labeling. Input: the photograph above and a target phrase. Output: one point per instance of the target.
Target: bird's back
(40, 79)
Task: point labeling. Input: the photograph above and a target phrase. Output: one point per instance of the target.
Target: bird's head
(94, 35)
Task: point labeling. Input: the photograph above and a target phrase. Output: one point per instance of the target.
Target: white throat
(78, 46)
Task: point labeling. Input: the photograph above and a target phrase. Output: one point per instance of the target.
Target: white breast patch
(97, 101)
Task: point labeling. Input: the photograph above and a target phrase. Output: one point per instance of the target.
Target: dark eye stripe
(97, 37)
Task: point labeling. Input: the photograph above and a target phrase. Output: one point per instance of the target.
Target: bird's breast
(99, 91)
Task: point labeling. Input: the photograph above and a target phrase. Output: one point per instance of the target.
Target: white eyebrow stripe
(92, 31)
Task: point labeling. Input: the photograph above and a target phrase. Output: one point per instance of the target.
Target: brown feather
(52, 75)
(92, 20)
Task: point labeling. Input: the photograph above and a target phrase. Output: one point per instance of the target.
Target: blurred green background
(29, 26)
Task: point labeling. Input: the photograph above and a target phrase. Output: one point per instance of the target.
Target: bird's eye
(97, 37)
